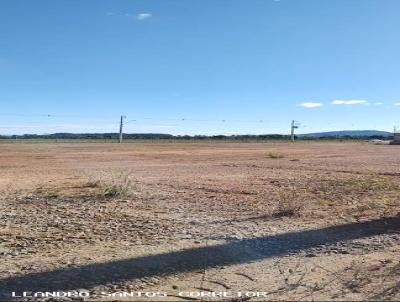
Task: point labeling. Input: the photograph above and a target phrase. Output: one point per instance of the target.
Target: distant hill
(348, 133)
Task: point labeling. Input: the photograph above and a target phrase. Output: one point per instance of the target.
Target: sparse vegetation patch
(114, 185)
(275, 155)
(289, 204)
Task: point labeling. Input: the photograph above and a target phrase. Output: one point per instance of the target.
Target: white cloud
(143, 16)
(348, 102)
(397, 104)
(378, 103)
(311, 105)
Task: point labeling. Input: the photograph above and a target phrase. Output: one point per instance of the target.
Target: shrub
(289, 204)
(118, 186)
(114, 185)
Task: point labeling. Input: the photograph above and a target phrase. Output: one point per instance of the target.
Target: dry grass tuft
(118, 187)
(93, 182)
(48, 192)
(356, 185)
(357, 195)
(275, 155)
(290, 204)
(379, 281)
(114, 185)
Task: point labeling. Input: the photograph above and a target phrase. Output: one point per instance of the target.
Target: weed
(47, 192)
(356, 188)
(114, 185)
(93, 182)
(377, 282)
(118, 186)
(290, 204)
(275, 155)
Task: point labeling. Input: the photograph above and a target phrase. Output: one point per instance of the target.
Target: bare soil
(302, 221)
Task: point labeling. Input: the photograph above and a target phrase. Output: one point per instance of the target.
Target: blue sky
(331, 64)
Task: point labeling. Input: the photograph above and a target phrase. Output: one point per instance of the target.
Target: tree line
(161, 136)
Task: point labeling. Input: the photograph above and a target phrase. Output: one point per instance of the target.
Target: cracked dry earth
(202, 217)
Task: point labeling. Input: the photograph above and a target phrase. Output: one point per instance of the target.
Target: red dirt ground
(296, 221)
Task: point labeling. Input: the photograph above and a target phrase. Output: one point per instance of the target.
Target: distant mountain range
(348, 133)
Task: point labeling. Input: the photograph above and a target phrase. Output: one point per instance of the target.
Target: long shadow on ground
(230, 253)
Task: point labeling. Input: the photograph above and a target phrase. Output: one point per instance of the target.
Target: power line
(137, 119)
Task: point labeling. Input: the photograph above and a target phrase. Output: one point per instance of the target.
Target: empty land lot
(297, 221)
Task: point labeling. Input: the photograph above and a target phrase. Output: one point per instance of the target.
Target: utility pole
(121, 128)
(294, 125)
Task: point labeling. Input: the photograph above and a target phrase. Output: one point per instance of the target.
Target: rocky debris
(37, 222)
